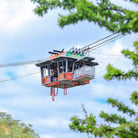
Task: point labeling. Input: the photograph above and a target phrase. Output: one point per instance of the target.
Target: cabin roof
(87, 59)
(60, 58)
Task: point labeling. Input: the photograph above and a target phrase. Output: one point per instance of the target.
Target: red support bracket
(52, 93)
(53, 83)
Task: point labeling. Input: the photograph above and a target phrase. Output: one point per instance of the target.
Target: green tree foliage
(114, 73)
(10, 128)
(123, 127)
(101, 12)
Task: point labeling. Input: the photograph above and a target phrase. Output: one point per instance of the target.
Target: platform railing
(84, 71)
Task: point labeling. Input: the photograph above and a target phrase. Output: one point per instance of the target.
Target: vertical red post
(52, 93)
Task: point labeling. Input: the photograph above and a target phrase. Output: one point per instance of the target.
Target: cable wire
(37, 61)
(108, 42)
(21, 63)
(41, 60)
(19, 77)
(105, 42)
(99, 40)
(105, 54)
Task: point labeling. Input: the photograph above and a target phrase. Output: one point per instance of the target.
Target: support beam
(41, 69)
(48, 70)
(66, 65)
(73, 68)
(58, 67)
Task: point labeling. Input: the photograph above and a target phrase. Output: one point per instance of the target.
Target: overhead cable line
(21, 63)
(99, 40)
(37, 61)
(41, 60)
(19, 77)
(119, 56)
(105, 42)
(106, 54)
(123, 55)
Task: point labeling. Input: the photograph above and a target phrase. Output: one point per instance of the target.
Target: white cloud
(111, 89)
(125, 4)
(63, 135)
(2, 110)
(117, 48)
(70, 134)
(14, 14)
(53, 122)
(47, 136)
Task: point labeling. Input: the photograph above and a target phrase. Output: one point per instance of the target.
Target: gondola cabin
(66, 69)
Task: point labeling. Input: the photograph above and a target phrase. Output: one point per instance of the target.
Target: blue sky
(25, 36)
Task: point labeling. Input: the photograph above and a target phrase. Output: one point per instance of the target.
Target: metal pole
(73, 68)
(41, 72)
(48, 70)
(63, 66)
(66, 65)
(58, 67)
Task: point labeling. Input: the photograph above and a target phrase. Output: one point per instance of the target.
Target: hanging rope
(57, 92)
(53, 94)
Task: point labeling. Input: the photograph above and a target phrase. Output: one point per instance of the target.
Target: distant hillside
(10, 128)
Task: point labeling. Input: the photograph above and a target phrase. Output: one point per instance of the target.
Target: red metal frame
(75, 83)
(53, 83)
(68, 76)
(87, 81)
(43, 81)
(61, 76)
(48, 79)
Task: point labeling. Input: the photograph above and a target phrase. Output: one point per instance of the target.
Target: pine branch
(134, 97)
(132, 54)
(134, 1)
(121, 106)
(103, 13)
(113, 73)
(113, 118)
(121, 131)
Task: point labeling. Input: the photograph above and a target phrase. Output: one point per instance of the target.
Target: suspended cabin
(66, 69)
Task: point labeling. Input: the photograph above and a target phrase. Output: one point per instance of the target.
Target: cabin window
(51, 72)
(54, 70)
(44, 71)
(62, 66)
(76, 66)
(70, 66)
(79, 65)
